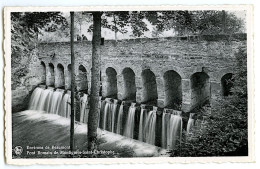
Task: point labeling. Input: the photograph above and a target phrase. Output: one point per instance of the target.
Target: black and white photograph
(129, 83)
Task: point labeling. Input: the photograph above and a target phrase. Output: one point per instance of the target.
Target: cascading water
(129, 130)
(84, 108)
(120, 118)
(107, 110)
(191, 123)
(149, 128)
(165, 119)
(58, 102)
(54, 102)
(171, 128)
(114, 115)
(100, 103)
(65, 108)
(101, 113)
(35, 98)
(42, 102)
(48, 104)
(141, 123)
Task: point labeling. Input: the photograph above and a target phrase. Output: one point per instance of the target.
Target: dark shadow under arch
(172, 89)
(43, 72)
(50, 75)
(60, 76)
(150, 94)
(226, 84)
(82, 79)
(129, 84)
(200, 89)
(111, 83)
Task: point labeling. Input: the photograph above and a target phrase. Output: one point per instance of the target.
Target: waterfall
(35, 98)
(58, 102)
(120, 118)
(165, 119)
(107, 110)
(129, 130)
(54, 102)
(100, 108)
(171, 128)
(114, 115)
(149, 128)
(84, 109)
(49, 99)
(65, 108)
(101, 113)
(43, 99)
(141, 123)
(191, 123)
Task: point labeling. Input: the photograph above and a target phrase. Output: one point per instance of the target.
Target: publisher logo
(18, 150)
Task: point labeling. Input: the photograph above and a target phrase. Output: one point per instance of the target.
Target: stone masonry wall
(214, 58)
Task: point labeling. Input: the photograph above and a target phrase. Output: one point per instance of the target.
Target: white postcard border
(150, 160)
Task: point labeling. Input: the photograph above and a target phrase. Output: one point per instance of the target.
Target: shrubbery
(225, 132)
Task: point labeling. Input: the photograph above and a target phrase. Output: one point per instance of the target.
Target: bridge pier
(68, 77)
(186, 95)
(215, 92)
(139, 89)
(160, 90)
(120, 86)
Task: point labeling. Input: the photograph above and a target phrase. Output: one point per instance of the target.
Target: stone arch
(178, 70)
(43, 72)
(82, 79)
(150, 94)
(227, 84)
(172, 89)
(60, 79)
(50, 75)
(200, 89)
(111, 82)
(68, 77)
(129, 84)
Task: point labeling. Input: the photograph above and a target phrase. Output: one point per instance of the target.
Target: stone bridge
(166, 72)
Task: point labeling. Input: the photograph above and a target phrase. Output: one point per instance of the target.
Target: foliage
(25, 27)
(225, 131)
(181, 23)
(118, 23)
(123, 19)
(197, 22)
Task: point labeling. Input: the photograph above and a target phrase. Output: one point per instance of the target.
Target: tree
(95, 82)
(25, 27)
(119, 21)
(72, 115)
(197, 22)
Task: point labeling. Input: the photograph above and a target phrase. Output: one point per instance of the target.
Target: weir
(141, 122)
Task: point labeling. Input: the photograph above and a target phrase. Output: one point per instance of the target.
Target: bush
(225, 131)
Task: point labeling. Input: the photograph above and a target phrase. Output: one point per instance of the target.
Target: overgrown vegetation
(224, 133)
(24, 32)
